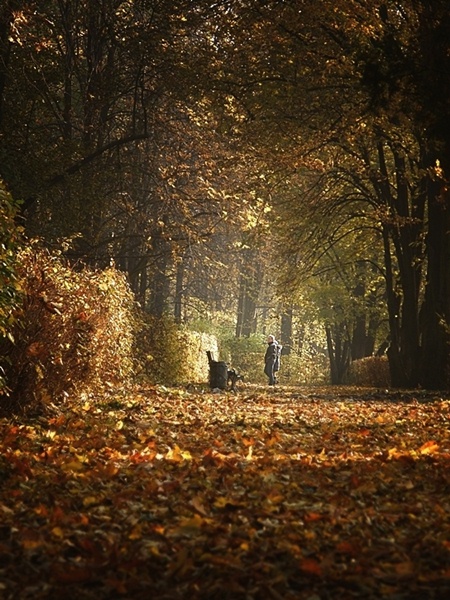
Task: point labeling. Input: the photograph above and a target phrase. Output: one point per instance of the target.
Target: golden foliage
(75, 331)
(166, 353)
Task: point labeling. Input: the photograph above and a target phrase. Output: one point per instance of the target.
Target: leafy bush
(76, 330)
(304, 369)
(245, 354)
(169, 354)
(10, 293)
(372, 371)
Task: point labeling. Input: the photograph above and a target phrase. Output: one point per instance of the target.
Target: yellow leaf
(136, 533)
(174, 454)
(189, 526)
(248, 442)
(73, 465)
(177, 455)
(41, 510)
(223, 502)
(30, 542)
(429, 448)
(90, 501)
(58, 532)
(382, 419)
(275, 497)
(393, 452)
(272, 440)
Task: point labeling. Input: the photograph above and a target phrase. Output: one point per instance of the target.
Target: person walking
(272, 359)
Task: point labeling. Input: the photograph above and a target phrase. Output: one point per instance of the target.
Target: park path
(181, 493)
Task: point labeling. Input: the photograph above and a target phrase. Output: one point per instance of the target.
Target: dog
(233, 378)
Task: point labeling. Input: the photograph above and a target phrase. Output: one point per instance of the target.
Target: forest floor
(266, 494)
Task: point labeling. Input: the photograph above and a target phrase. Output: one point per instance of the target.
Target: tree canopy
(225, 153)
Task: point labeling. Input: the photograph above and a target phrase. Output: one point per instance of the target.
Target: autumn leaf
(175, 454)
(136, 533)
(197, 504)
(310, 566)
(312, 516)
(58, 532)
(90, 501)
(73, 465)
(327, 498)
(224, 502)
(429, 447)
(187, 527)
(30, 540)
(72, 574)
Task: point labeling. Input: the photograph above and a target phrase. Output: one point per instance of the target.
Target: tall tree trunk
(404, 228)
(339, 353)
(435, 369)
(143, 281)
(178, 305)
(359, 338)
(6, 18)
(159, 288)
(249, 287)
(397, 374)
(433, 89)
(286, 330)
(240, 307)
(69, 65)
(160, 283)
(359, 333)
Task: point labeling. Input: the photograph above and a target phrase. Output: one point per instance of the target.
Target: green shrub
(304, 369)
(246, 355)
(75, 331)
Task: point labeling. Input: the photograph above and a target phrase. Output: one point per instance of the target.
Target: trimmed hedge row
(74, 331)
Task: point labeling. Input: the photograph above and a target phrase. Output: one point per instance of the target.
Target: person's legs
(269, 372)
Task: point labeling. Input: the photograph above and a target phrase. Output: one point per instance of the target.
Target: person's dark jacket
(272, 360)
